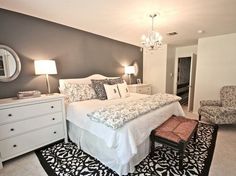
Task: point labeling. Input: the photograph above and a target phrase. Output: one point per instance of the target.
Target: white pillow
(112, 91)
(123, 89)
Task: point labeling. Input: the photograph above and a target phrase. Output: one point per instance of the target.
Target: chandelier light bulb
(143, 37)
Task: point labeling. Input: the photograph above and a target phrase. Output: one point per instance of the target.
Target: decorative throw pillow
(98, 86)
(116, 81)
(79, 92)
(112, 91)
(123, 90)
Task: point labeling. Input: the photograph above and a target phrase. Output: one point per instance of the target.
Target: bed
(120, 149)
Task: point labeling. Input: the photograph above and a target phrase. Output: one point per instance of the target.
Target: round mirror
(10, 65)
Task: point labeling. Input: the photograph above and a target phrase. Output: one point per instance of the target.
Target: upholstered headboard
(86, 80)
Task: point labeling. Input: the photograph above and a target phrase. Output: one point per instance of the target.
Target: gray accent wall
(77, 53)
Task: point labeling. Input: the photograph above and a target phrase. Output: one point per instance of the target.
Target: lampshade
(45, 67)
(129, 70)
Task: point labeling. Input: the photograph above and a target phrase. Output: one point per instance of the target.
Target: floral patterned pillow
(116, 81)
(79, 92)
(98, 86)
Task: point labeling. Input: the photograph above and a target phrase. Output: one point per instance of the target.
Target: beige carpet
(223, 164)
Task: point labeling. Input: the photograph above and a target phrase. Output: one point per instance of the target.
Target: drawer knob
(9, 115)
(52, 107)
(12, 129)
(14, 145)
(53, 118)
(54, 132)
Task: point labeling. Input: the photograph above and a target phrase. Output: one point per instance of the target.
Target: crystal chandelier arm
(152, 22)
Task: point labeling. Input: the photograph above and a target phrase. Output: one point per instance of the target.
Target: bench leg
(152, 148)
(181, 154)
(181, 158)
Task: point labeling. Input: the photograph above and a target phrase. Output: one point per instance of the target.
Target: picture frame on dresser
(139, 81)
(28, 124)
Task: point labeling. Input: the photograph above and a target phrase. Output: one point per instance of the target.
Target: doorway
(183, 75)
(186, 80)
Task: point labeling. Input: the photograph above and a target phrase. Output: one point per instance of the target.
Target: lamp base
(129, 78)
(48, 84)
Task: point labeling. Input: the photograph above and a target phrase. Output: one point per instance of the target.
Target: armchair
(221, 111)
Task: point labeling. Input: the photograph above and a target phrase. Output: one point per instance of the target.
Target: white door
(192, 81)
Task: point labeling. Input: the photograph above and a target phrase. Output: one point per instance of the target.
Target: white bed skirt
(97, 148)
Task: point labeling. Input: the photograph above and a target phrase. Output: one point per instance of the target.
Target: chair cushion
(228, 96)
(211, 110)
(176, 128)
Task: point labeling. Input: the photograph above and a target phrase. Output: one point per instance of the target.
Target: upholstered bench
(175, 132)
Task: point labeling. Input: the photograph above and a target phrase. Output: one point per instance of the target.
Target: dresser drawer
(23, 143)
(144, 90)
(23, 126)
(26, 111)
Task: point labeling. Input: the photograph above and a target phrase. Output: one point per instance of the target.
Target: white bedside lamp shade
(129, 70)
(45, 67)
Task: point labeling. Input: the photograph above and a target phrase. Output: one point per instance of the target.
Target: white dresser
(28, 124)
(140, 88)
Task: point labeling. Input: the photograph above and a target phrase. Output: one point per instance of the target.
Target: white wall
(154, 68)
(184, 51)
(216, 66)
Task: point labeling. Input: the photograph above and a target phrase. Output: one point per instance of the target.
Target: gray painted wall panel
(77, 53)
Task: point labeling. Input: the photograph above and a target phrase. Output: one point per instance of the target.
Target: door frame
(192, 77)
(191, 98)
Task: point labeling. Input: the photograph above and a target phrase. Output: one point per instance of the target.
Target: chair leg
(199, 117)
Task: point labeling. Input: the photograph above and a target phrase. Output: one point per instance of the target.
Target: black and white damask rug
(67, 160)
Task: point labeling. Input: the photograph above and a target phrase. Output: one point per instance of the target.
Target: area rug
(65, 159)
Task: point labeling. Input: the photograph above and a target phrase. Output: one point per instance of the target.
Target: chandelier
(152, 40)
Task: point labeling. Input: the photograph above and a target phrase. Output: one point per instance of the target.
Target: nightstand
(28, 124)
(140, 88)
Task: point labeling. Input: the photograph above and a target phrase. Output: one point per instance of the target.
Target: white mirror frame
(18, 64)
(136, 68)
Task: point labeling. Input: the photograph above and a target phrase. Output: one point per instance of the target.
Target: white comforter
(125, 139)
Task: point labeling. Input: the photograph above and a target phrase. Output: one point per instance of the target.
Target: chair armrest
(210, 103)
(228, 110)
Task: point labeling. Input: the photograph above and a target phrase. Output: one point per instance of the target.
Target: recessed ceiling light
(200, 31)
(172, 33)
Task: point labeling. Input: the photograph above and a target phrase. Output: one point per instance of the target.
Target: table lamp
(45, 67)
(129, 70)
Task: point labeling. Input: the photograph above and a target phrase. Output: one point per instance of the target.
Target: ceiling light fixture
(172, 33)
(152, 40)
(200, 31)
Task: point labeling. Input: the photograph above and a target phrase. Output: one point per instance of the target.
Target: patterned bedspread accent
(115, 116)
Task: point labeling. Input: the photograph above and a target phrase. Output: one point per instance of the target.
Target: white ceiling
(127, 20)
